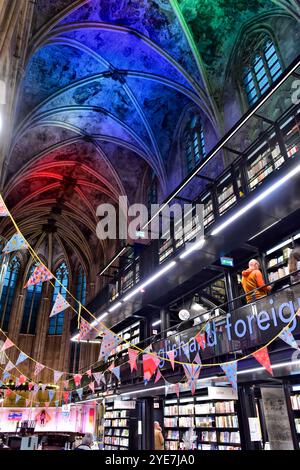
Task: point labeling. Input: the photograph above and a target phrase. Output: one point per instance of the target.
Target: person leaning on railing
(252, 280)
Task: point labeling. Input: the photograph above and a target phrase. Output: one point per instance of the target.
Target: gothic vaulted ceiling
(104, 87)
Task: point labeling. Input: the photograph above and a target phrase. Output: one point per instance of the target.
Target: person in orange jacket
(252, 279)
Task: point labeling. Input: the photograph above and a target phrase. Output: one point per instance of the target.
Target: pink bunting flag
(133, 354)
(66, 383)
(47, 403)
(109, 342)
(77, 379)
(60, 305)
(38, 368)
(197, 359)
(9, 366)
(150, 364)
(22, 379)
(170, 355)
(27, 402)
(40, 274)
(92, 386)
(262, 356)
(3, 209)
(57, 375)
(200, 338)
(111, 366)
(192, 372)
(8, 344)
(89, 373)
(8, 393)
(84, 330)
(66, 397)
(97, 376)
(158, 376)
(30, 385)
(177, 389)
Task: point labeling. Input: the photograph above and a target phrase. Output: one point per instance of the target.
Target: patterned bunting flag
(116, 372)
(186, 349)
(158, 376)
(92, 386)
(38, 368)
(60, 304)
(287, 336)
(200, 338)
(150, 364)
(66, 383)
(17, 242)
(197, 359)
(56, 403)
(3, 209)
(57, 375)
(192, 372)
(22, 379)
(18, 397)
(262, 356)
(51, 394)
(8, 393)
(5, 375)
(43, 387)
(22, 357)
(230, 370)
(177, 389)
(133, 354)
(30, 385)
(84, 329)
(27, 402)
(109, 342)
(97, 376)
(66, 397)
(77, 379)
(80, 393)
(170, 355)
(8, 344)
(40, 274)
(89, 373)
(9, 366)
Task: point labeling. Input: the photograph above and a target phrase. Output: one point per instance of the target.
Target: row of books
(116, 441)
(172, 435)
(297, 424)
(295, 399)
(230, 421)
(213, 408)
(109, 447)
(117, 432)
(221, 437)
(115, 414)
(216, 447)
(122, 423)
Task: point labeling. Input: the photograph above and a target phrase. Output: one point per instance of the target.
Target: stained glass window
(31, 306)
(10, 274)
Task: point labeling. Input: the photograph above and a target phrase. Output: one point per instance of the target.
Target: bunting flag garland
(22, 357)
(30, 386)
(3, 209)
(158, 376)
(22, 379)
(36, 388)
(192, 372)
(60, 305)
(8, 344)
(263, 358)
(43, 387)
(27, 402)
(89, 373)
(200, 338)
(170, 355)
(109, 342)
(186, 349)
(17, 242)
(57, 375)
(77, 379)
(9, 366)
(51, 394)
(5, 375)
(97, 377)
(133, 354)
(18, 397)
(92, 386)
(80, 393)
(66, 397)
(66, 383)
(38, 368)
(40, 274)
(56, 403)
(287, 336)
(177, 389)
(47, 403)
(150, 364)
(8, 393)
(231, 373)
(84, 329)
(116, 372)
(197, 359)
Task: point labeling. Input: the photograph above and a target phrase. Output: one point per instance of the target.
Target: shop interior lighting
(158, 322)
(102, 316)
(281, 245)
(115, 307)
(256, 200)
(264, 230)
(195, 246)
(150, 280)
(224, 141)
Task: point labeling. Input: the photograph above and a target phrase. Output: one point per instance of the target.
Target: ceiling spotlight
(184, 314)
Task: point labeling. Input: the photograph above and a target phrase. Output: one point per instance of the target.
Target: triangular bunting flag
(116, 372)
(60, 305)
(30, 385)
(47, 404)
(186, 349)
(262, 356)
(200, 338)
(89, 373)
(77, 379)
(230, 370)
(22, 379)
(43, 387)
(5, 375)
(170, 355)
(57, 375)
(17, 242)
(92, 386)
(22, 357)
(66, 383)
(8, 344)
(56, 403)
(40, 274)
(18, 397)
(109, 342)
(287, 336)
(9, 366)
(97, 376)
(84, 329)
(150, 364)
(192, 372)
(133, 354)
(38, 368)
(158, 376)
(3, 209)
(8, 393)
(66, 397)
(51, 394)
(27, 402)
(112, 365)
(197, 359)
(80, 392)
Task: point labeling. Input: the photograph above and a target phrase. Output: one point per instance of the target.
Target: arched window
(32, 305)
(194, 143)
(10, 277)
(81, 285)
(261, 66)
(56, 323)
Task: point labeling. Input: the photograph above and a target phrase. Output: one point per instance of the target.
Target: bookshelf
(214, 421)
(120, 425)
(225, 194)
(295, 402)
(277, 260)
(166, 249)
